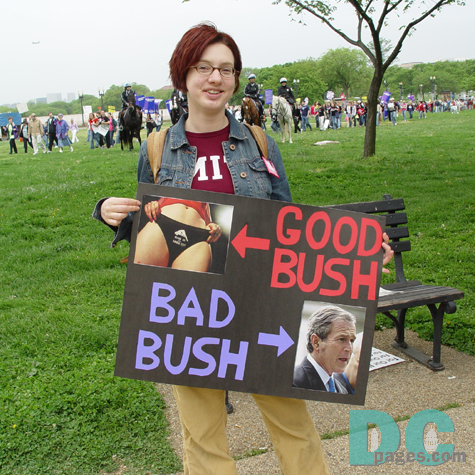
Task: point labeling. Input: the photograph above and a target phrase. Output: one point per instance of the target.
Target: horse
(131, 123)
(250, 112)
(282, 109)
(177, 108)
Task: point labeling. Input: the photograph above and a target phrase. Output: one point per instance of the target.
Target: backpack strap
(155, 143)
(260, 137)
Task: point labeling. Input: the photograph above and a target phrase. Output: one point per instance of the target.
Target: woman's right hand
(114, 210)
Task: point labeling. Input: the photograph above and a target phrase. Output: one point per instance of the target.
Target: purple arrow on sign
(282, 340)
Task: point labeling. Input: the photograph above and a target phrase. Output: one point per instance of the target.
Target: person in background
(23, 134)
(158, 121)
(403, 109)
(392, 111)
(361, 112)
(350, 113)
(252, 90)
(124, 98)
(74, 130)
(35, 132)
(62, 129)
(150, 124)
(51, 131)
(104, 119)
(304, 111)
(112, 128)
(12, 134)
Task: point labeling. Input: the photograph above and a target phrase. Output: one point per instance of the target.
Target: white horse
(284, 115)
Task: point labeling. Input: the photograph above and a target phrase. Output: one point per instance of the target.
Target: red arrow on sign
(242, 242)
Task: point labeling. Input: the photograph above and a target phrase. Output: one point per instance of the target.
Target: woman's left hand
(214, 232)
(388, 252)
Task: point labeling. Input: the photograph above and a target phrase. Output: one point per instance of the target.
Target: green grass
(430, 164)
(61, 409)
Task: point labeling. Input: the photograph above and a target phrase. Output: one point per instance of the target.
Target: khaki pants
(205, 448)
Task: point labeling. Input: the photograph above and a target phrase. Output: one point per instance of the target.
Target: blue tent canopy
(14, 115)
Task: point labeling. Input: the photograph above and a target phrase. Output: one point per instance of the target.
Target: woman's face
(210, 93)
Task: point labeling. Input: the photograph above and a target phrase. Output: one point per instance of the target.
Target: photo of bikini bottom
(179, 236)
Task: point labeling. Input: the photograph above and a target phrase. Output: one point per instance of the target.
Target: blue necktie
(331, 385)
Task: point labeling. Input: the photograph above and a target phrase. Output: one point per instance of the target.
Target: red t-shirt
(211, 170)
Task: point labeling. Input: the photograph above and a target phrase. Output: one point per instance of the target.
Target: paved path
(400, 390)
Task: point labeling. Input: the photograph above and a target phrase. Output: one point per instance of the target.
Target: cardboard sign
(237, 318)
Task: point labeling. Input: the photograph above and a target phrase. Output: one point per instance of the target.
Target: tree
(372, 16)
(346, 69)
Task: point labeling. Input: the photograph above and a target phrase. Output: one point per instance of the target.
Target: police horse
(250, 112)
(131, 123)
(281, 108)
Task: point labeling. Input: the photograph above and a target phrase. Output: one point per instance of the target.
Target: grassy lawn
(61, 286)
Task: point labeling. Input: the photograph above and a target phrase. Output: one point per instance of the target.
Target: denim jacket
(249, 173)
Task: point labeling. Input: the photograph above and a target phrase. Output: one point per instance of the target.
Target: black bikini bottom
(179, 236)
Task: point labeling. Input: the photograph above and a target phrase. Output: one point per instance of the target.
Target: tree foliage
(372, 18)
(347, 70)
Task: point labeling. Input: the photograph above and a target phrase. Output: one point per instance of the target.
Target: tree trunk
(370, 133)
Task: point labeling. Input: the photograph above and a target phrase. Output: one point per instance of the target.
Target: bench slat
(396, 219)
(414, 294)
(372, 207)
(397, 233)
(400, 246)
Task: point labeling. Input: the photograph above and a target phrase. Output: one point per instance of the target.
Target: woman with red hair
(209, 149)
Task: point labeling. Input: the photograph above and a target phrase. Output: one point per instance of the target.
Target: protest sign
(268, 93)
(236, 324)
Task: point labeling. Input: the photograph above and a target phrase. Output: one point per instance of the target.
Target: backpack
(156, 142)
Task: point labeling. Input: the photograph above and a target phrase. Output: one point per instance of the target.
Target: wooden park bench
(406, 294)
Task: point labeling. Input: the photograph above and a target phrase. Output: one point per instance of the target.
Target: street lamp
(386, 85)
(296, 85)
(432, 81)
(422, 93)
(101, 95)
(81, 95)
(400, 91)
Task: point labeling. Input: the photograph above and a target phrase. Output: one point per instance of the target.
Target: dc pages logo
(424, 449)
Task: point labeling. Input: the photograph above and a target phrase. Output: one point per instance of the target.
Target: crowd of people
(330, 114)
(32, 133)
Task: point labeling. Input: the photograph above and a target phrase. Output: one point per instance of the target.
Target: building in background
(53, 97)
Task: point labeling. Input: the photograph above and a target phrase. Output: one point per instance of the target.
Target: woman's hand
(214, 232)
(388, 252)
(114, 210)
(152, 210)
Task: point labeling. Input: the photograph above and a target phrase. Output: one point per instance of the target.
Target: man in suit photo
(330, 336)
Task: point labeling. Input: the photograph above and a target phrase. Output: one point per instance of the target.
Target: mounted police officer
(252, 90)
(124, 97)
(287, 93)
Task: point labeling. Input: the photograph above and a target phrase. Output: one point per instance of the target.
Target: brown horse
(250, 112)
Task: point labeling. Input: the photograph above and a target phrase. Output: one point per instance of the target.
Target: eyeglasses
(205, 69)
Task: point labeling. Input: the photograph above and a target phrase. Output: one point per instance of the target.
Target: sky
(89, 45)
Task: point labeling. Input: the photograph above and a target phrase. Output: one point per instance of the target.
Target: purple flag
(268, 93)
(386, 97)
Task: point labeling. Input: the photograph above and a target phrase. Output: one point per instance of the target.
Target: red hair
(190, 48)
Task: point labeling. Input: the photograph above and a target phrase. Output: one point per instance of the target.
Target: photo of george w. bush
(331, 333)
